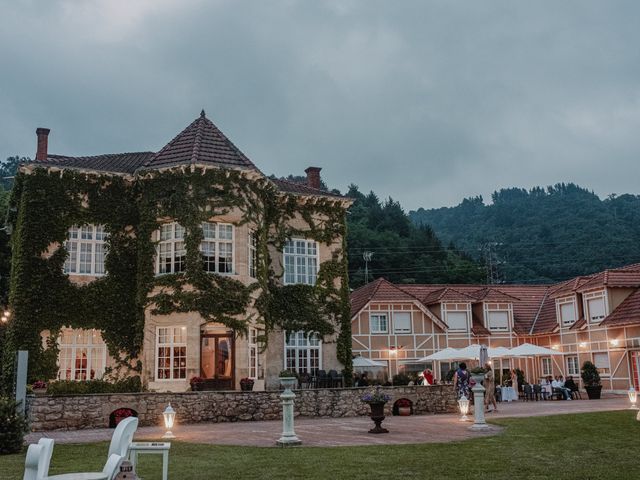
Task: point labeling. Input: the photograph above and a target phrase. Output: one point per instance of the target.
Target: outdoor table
(80, 476)
(160, 448)
(508, 394)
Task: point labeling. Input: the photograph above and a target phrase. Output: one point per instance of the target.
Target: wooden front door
(217, 361)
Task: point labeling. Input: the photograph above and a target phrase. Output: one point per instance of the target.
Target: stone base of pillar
(288, 441)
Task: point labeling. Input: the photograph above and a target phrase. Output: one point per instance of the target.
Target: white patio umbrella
(530, 350)
(473, 352)
(363, 362)
(446, 354)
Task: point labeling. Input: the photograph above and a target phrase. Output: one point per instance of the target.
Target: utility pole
(366, 256)
(492, 262)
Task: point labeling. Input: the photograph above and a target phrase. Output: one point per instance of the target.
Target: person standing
(428, 377)
(461, 381)
(490, 387)
(514, 382)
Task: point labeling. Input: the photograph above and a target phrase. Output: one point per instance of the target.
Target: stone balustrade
(74, 412)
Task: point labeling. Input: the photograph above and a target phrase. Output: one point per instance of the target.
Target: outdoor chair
(557, 394)
(322, 379)
(36, 465)
(538, 393)
(528, 393)
(575, 393)
(335, 379)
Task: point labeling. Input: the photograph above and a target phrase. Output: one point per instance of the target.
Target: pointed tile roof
(380, 289)
(201, 143)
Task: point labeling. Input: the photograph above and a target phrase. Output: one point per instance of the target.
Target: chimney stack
(313, 177)
(43, 143)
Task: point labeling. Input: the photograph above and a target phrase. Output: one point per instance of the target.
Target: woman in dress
(514, 381)
(461, 381)
(490, 387)
(428, 377)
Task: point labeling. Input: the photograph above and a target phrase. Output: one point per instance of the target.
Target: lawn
(582, 446)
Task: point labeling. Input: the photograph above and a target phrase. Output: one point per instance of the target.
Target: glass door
(217, 359)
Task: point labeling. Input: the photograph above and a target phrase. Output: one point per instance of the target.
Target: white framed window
(302, 353)
(300, 261)
(595, 306)
(573, 368)
(566, 308)
(253, 255)
(82, 354)
(497, 316)
(546, 366)
(457, 321)
(601, 361)
(87, 250)
(216, 247)
(255, 369)
(171, 353)
(401, 322)
(171, 252)
(378, 323)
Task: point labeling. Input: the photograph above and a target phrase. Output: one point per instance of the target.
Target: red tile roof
(113, 162)
(627, 313)
(379, 290)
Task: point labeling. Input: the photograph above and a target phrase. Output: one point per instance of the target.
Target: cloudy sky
(425, 101)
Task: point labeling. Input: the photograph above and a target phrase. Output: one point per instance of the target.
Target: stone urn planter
(377, 415)
(478, 378)
(287, 382)
(246, 384)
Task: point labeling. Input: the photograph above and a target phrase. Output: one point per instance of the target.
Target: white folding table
(159, 448)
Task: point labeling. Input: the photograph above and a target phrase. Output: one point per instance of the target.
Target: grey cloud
(427, 102)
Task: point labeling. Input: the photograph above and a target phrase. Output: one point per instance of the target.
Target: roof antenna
(202, 113)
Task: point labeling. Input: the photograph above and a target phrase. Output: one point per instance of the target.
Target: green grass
(583, 446)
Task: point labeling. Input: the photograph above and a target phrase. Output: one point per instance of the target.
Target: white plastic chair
(32, 461)
(123, 436)
(108, 472)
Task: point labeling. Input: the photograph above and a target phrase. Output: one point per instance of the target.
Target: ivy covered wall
(46, 203)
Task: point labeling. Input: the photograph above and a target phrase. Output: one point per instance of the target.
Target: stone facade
(92, 411)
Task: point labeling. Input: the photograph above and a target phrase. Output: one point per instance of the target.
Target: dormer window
(498, 316)
(457, 316)
(566, 309)
(595, 304)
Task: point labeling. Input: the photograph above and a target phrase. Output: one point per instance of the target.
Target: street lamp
(463, 403)
(633, 396)
(169, 415)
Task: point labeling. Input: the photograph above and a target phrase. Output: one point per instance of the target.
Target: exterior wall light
(583, 344)
(615, 343)
(556, 347)
(169, 415)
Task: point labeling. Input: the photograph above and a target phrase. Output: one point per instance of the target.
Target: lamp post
(463, 403)
(633, 396)
(169, 415)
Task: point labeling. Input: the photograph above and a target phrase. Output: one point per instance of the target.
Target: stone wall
(92, 411)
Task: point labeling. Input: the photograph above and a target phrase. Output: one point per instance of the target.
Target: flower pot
(288, 382)
(39, 391)
(377, 415)
(593, 391)
(196, 386)
(404, 411)
(246, 387)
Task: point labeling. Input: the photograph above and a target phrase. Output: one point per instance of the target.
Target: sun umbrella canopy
(530, 350)
(473, 352)
(446, 354)
(363, 362)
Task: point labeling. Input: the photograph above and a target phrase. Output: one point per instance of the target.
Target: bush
(590, 375)
(70, 387)
(449, 376)
(13, 426)
(401, 379)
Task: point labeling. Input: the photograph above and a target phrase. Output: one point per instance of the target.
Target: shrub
(590, 375)
(477, 371)
(70, 387)
(13, 426)
(401, 379)
(288, 374)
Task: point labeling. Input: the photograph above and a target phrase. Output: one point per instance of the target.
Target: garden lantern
(633, 396)
(463, 403)
(169, 415)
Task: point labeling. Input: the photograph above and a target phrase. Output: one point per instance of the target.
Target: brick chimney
(43, 143)
(313, 177)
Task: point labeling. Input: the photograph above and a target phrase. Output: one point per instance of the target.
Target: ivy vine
(46, 203)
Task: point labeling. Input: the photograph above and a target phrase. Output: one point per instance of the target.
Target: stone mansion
(175, 264)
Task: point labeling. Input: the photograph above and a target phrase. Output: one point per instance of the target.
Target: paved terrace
(322, 432)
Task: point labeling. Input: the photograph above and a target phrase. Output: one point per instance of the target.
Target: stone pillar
(289, 436)
(478, 407)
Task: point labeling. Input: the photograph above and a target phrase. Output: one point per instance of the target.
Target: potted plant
(246, 384)
(196, 383)
(591, 380)
(39, 387)
(377, 400)
(288, 379)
